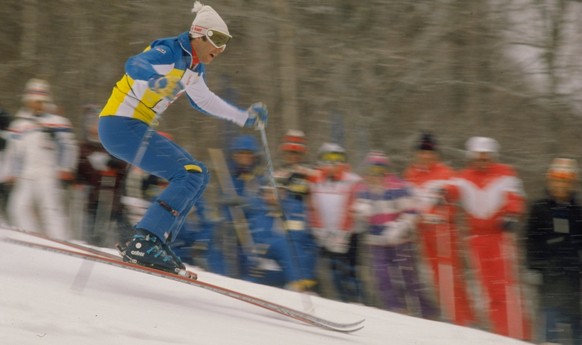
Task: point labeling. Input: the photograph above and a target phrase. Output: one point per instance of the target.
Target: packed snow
(48, 298)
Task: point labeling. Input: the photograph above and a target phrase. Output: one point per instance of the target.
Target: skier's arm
(67, 144)
(151, 63)
(515, 197)
(534, 239)
(13, 156)
(205, 101)
(408, 213)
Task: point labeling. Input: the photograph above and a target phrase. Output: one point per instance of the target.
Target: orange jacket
(428, 185)
(487, 196)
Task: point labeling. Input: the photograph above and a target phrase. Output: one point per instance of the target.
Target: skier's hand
(166, 86)
(509, 223)
(10, 180)
(258, 116)
(66, 176)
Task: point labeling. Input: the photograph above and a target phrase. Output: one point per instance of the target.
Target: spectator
(5, 120)
(384, 203)
(492, 197)
(333, 190)
(41, 155)
(554, 248)
(102, 176)
(293, 177)
(270, 260)
(437, 230)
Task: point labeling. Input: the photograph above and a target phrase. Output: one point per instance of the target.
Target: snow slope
(45, 300)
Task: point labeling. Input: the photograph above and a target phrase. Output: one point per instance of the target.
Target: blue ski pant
(136, 143)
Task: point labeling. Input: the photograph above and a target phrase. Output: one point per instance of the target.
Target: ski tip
(356, 329)
(352, 324)
(346, 330)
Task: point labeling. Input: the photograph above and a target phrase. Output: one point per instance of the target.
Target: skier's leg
(382, 258)
(408, 267)
(161, 157)
(303, 247)
(21, 206)
(552, 328)
(355, 286)
(51, 208)
(487, 253)
(463, 309)
(309, 259)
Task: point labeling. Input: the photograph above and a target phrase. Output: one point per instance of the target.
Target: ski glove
(258, 115)
(166, 86)
(509, 223)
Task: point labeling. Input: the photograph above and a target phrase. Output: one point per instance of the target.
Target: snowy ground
(41, 302)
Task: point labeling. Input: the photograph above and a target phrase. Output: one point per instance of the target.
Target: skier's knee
(197, 176)
(196, 167)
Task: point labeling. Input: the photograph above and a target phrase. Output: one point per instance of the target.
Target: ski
(85, 248)
(109, 259)
(88, 249)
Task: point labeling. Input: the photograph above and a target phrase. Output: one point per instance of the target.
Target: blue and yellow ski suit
(124, 128)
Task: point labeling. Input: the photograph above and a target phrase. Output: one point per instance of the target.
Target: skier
(40, 155)
(332, 194)
(5, 119)
(437, 231)
(293, 178)
(554, 241)
(270, 261)
(155, 78)
(384, 204)
(492, 196)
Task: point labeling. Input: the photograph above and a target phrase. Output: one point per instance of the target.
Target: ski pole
(269, 161)
(307, 303)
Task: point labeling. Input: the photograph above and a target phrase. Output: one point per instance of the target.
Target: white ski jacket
(40, 146)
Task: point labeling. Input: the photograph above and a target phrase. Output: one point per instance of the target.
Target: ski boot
(146, 249)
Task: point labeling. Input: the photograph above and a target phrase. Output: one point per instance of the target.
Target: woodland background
(368, 74)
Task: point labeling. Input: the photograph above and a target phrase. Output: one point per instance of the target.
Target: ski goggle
(562, 175)
(377, 170)
(333, 157)
(217, 38)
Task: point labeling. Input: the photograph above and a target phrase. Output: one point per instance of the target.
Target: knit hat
(477, 145)
(294, 141)
(37, 90)
(563, 168)
(377, 158)
(245, 143)
(206, 19)
(426, 142)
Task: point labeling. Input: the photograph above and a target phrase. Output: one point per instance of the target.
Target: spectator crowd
(452, 245)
